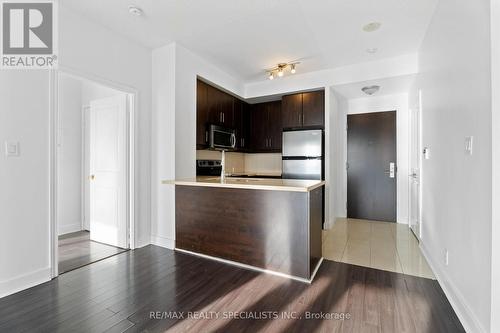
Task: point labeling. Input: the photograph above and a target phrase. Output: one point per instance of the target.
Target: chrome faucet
(223, 165)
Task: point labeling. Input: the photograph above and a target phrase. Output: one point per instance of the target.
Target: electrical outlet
(446, 257)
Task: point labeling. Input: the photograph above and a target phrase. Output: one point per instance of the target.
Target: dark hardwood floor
(77, 250)
(119, 294)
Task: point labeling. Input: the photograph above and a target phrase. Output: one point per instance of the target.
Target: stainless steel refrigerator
(303, 154)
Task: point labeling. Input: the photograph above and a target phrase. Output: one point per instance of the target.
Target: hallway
(381, 245)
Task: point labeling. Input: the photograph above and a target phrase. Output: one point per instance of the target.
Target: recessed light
(134, 10)
(372, 50)
(370, 90)
(372, 26)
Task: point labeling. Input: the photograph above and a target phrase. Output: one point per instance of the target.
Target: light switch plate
(469, 140)
(11, 148)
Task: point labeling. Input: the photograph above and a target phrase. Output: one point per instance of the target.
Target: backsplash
(263, 163)
(235, 162)
(240, 162)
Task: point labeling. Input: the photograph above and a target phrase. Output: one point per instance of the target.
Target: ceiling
(245, 37)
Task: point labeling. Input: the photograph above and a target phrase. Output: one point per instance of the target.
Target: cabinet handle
(223, 116)
(270, 142)
(243, 139)
(206, 136)
(220, 117)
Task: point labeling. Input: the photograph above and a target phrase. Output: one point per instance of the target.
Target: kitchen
(254, 158)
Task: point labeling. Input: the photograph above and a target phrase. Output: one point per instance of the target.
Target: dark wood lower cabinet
(274, 230)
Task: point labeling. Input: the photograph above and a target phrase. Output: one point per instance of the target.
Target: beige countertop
(256, 174)
(295, 185)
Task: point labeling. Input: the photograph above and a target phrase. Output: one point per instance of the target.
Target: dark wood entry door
(371, 148)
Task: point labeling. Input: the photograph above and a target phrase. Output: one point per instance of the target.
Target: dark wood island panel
(268, 229)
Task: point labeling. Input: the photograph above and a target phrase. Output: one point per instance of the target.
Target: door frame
(132, 103)
(411, 118)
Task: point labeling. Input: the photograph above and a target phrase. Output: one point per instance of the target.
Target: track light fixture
(279, 70)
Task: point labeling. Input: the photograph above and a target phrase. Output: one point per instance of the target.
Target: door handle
(92, 177)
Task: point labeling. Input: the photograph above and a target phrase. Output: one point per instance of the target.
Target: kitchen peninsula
(264, 224)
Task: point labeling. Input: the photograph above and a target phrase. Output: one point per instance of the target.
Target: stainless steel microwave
(222, 137)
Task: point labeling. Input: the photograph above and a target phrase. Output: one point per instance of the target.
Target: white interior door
(108, 171)
(415, 172)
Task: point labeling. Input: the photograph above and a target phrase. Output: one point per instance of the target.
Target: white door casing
(415, 173)
(108, 171)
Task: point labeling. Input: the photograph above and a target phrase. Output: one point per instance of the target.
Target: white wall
(87, 48)
(24, 193)
(69, 166)
(338, 199)
(175, 70)
(495, 123)
(389, 103)
(92, 91)
(455, 79)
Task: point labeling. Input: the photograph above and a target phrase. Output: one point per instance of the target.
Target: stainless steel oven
(222, 137)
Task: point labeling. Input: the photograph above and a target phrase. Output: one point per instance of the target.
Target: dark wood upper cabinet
(313, 108)
(220, 107)
(304, 110)
(258, 127)
(241, 124)
(292, 111)
(202, 118)
(275, 125)
(266, 127)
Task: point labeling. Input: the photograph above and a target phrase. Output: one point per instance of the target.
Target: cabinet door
(313, 108)
(292, 111)
(227, 110)
(238, 122)
(214, 102)
(245, 126)
(274, 128)
(201, 113)
(258, 127)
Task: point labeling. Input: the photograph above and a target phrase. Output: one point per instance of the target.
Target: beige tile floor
(381, 245)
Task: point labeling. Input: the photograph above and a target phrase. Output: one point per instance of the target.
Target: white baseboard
(457, 300)
(163, 242)
(25, 281)
(68, 228)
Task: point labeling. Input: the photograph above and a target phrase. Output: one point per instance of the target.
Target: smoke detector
(134, 10)
(372, 26)
(370, 90)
